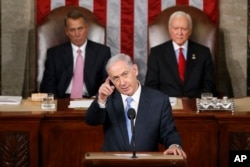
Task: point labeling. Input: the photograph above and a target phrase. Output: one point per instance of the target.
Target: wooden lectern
(145, 159)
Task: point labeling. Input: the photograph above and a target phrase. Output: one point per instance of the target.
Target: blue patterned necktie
(128, 100)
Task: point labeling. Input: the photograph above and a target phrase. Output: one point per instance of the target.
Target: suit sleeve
(95, 115)
(48, 81)
(152, 74)
(209, 75)
(168, 131)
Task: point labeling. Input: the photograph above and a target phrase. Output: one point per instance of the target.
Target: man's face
(124, 77)
(77, 31)
(179, 30)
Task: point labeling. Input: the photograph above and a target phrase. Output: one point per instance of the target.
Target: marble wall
(17, 22)
(18, 47)
(233, 24)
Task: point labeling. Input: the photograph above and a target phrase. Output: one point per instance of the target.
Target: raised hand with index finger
(105, 90)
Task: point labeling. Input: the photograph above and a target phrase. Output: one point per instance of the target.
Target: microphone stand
(133, 138)
(131, 115)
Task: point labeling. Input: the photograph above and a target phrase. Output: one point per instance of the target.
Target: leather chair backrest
(51, 33)
(204, 30)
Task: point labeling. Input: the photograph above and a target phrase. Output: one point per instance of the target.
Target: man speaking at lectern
(154, 122)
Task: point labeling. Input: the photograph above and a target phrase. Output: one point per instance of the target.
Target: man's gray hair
(74, 14)
(180, 14)
(119, 57)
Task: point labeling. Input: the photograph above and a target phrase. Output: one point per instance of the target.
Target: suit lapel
(67, 64)
(68, 59)
(191, 60)
(120, 115)
(172, 61)
(144, 113)
(141, 112)
(89, 61)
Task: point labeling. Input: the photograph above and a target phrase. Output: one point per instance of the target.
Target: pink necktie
(181, 64)
(77, 86)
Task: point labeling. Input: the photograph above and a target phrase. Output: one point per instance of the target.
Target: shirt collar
(184, 46)
(83, 47)
(135, 96)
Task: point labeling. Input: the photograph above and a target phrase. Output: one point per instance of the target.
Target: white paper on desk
(83, 103)
(10, 100)
(129, 155)
(173, 101)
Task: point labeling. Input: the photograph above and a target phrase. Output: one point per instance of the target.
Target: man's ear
(66, 30)
(135, 69)
(87, 28)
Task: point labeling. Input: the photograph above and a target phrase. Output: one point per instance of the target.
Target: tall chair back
(204, 30)
(51, 33)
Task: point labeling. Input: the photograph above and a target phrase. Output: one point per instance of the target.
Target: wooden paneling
(234, 135)
(199, 138)
(19, 141)
(61, 138)
(64, 143)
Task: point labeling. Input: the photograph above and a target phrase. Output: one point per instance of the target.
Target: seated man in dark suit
(188, 76)
(61, 62)
(154, 121)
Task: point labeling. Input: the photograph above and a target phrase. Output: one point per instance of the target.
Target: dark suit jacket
(59, 68)
(162, 72)
(154, 122)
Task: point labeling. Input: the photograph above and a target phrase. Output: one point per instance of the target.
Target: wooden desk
(145, 159)
(209, 136)
(62, 138)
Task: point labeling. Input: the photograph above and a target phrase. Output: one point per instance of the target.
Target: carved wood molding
(239, 141)
(14, 149)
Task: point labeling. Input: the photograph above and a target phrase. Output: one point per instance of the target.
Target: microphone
(131, 115)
